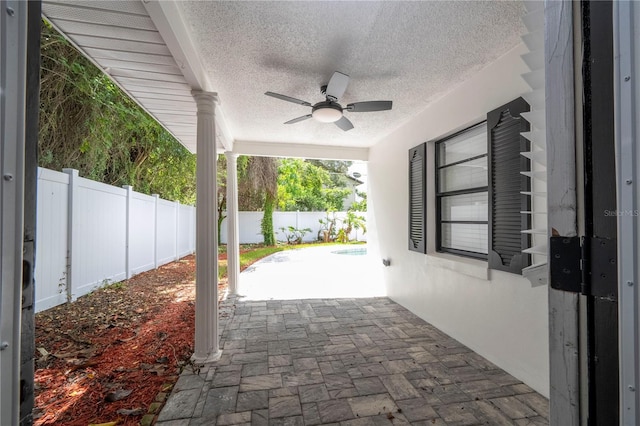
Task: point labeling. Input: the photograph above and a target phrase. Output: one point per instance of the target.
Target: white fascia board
(223, 130)
(298, 150)
(169, 22)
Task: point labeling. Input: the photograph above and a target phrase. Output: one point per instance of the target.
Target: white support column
(206, 336)
(233, 240)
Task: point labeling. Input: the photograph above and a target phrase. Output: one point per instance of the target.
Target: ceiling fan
(329, 110)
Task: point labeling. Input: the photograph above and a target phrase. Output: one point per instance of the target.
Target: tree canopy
(305, 186)
(89, 124)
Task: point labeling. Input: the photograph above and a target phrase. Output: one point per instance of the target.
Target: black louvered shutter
(506, 202)
(417, 199)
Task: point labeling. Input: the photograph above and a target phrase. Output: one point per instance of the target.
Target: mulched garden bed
(105, 357)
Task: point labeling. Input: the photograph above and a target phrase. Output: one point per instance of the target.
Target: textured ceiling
(407, 52)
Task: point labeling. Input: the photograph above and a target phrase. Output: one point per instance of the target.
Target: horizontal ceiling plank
(178, 116)
(183, 130)
(85, 41)
(119, 19)
(167, 115)
(136, 87)
(163, 105)
(178, 120)
(183, 105)
(132, 7)
(172, 107)
(115, 34)
(163, 97)
(123, 55)
(139, 66)
(143, 75)
(132, 81)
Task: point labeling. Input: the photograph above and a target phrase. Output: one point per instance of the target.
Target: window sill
(464, 265)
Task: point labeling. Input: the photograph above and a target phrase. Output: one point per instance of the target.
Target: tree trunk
(267, 220)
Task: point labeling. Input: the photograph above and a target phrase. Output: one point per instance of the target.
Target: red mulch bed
(132, 336)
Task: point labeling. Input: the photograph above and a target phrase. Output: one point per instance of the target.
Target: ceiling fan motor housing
(327, 112)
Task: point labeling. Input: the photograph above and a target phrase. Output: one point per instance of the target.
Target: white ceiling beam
(170, 23)
(299, 150)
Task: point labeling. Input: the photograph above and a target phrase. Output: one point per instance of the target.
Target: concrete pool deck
(312, 273)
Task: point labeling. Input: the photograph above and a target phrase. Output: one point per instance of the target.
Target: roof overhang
(410, 52)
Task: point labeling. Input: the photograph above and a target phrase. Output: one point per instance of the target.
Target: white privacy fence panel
(90, 234)
(142, 231)
(166, 243)
(51, 230)
(186, 230)
(248, 228)
(250, 232)
(99, 235)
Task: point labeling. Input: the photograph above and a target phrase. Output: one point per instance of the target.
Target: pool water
(352, 251)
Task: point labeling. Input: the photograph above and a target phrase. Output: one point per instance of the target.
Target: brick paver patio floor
(348, 362)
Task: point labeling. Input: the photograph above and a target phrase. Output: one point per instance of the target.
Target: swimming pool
(352, 251)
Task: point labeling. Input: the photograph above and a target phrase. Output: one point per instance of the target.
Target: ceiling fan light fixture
(330, 111)
(327, 113)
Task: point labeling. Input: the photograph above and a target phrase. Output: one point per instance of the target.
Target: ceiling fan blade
(344, 123)
(296, 120)
(288, 98)
(337, 85)
(369, 106)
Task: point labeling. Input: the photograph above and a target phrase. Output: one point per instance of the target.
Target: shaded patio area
(344, 361)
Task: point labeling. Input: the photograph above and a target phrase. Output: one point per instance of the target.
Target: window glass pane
(468, 237)
(470, 174)
(465, 207)
(469, 144)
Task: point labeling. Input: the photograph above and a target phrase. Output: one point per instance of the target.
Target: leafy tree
(359, 206)
(337, 171)
(334, 166)
(89, 124)
(304, 186)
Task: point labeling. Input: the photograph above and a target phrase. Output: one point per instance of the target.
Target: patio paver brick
(335, 410)
(348, 362)
(286, 406)
(253, 400)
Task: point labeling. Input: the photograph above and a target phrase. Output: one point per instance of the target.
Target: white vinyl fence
(250, 233)
(90, 234)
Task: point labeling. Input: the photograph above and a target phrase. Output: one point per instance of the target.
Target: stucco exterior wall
(499, 315)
